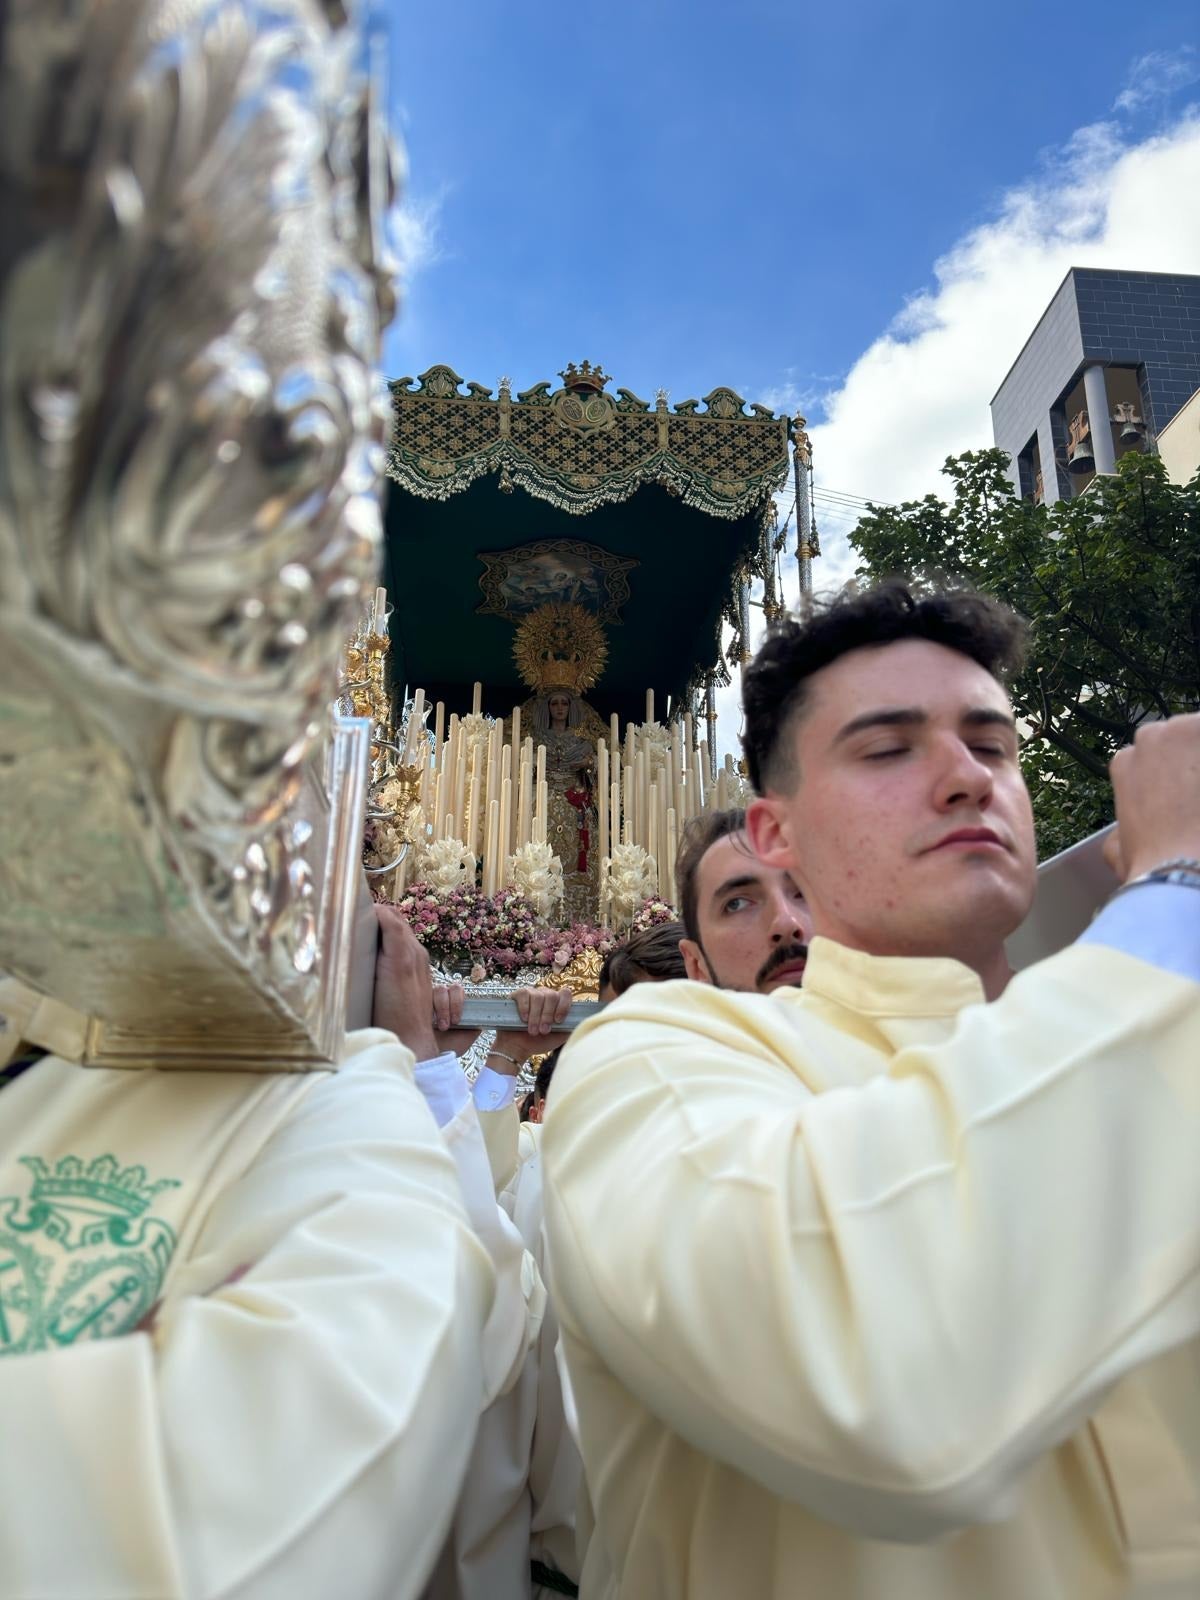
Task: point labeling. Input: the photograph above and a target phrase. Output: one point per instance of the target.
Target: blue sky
(744, 192)
(857, 211)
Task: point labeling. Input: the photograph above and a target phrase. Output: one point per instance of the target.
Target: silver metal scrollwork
(192, 422)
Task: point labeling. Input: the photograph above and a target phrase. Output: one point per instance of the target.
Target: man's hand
(423, 1015)
(1156, 781)
(447, 1015)
(539, 1009)
(404, 986)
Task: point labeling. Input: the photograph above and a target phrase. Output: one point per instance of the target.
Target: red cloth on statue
(579, 799)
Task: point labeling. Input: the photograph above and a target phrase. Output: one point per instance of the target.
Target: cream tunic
(855, 1265)
(299, 1420)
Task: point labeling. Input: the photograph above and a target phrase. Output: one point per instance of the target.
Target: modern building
(1113, 359)
(1179, 442)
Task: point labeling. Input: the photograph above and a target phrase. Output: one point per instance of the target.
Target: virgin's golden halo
(560, 646)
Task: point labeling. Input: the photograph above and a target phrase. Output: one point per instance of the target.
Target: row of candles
(492, 792)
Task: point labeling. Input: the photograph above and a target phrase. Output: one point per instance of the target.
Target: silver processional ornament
(192, 292)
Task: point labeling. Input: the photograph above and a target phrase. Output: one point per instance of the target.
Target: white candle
(649, 705)
(476, 699)
(491, 880)
(491, 775)
(505, 823)
(506, 816)
(602, 794)
(614, 743)
(523, 802)
(516, 729)
(458, 800)
(379, 611)
(474, 832)
(672, 850)
(643, 811)
(543, 805)
(439, 804)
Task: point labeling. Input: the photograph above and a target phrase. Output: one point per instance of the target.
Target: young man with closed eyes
(889, 1286)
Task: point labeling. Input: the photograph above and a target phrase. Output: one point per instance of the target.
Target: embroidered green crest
(80, 1258)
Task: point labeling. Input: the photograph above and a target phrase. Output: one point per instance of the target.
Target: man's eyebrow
(745, 881)
(897, 717)
(988, 716)
(914, 717)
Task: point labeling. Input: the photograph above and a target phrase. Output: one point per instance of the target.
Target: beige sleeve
(302, 1430)
(520, 1298)
(883, 1301)
(500, 1130)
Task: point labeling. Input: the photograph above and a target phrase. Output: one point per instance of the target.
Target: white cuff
(444, 1085)
(493, 1090)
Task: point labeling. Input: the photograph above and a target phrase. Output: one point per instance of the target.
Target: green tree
(1110, 582)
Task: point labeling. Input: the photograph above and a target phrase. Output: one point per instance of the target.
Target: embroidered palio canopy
(651, 517)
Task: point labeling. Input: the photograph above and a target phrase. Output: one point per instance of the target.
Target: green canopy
(651, 518)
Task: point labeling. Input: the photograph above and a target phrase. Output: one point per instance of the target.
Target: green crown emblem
(101, 1182)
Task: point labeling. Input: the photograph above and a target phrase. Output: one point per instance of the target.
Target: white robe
(298, 1420)
(486, 1555)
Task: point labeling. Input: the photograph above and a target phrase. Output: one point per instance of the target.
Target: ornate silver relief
(192, 290)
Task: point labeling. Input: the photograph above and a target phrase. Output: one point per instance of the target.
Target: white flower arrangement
(447, 864)
(632, 880)
(537, 873)
(656, 740)
(474, 729)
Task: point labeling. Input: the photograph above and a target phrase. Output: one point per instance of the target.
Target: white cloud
(415, 234)
(1154, 77)
(921, 391)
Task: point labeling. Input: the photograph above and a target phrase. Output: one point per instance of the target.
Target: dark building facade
(1119, 346)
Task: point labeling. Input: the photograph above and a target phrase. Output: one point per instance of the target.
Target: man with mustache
(889, 1287)
(747, 926)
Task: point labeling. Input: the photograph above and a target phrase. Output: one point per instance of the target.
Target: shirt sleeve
(444, 1084)
(300, 1428)
(492, 1091)
(886, 1300)
(517, 1309)
(1156, 922)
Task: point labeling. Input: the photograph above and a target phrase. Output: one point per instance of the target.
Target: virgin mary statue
(558, 720)
(560, 649)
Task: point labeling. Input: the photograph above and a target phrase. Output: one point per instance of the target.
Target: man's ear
(693, 960)
(767, 835)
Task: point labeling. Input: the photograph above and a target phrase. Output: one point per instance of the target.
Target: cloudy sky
(859, 214)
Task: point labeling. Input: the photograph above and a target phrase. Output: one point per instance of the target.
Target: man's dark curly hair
(775, 684)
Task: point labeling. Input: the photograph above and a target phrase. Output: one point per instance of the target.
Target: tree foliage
(1110, 582)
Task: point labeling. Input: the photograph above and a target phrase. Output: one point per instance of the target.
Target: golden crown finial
(585, 377)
